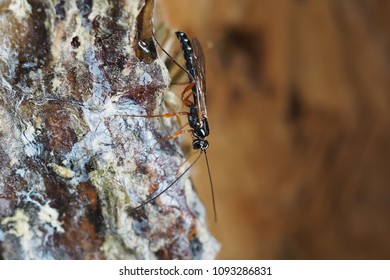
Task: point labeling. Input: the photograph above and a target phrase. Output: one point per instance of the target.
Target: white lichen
(20, 8)
(18, 225)
(31, 148)
(49, 216)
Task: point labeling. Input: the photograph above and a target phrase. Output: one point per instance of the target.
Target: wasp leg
(176, 134)
(166, 115)
(186, 99)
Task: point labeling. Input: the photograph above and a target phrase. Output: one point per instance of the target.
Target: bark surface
(71, 169)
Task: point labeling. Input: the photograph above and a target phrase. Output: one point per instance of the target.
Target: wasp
(197, 115)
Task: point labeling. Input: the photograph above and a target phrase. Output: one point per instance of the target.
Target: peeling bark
(71, 169)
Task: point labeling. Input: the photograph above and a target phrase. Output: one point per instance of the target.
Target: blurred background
(298, 100)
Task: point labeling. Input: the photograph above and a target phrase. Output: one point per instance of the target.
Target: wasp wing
(200, 79)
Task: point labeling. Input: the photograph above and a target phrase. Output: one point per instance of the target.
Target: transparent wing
(200, 62)
(200, 79)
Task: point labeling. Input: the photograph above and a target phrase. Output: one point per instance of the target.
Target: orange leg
(166, 115)
(183, 126)
(176, 134)
(186, 99)
(179, 83)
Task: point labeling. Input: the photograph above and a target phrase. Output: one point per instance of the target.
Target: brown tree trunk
(299, 110)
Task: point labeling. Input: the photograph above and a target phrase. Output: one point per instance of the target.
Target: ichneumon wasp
(197, 115)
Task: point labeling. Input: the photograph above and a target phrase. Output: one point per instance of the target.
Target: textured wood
(72, 168)
(298, 95)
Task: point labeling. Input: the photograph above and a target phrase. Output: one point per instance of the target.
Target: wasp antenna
(174, 60)
(211, 185)
(167, 188)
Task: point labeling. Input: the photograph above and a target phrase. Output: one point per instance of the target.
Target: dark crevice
(238, 42)
(294, 107)
(36, 52)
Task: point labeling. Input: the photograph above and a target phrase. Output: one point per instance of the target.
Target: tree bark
(71, 167)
